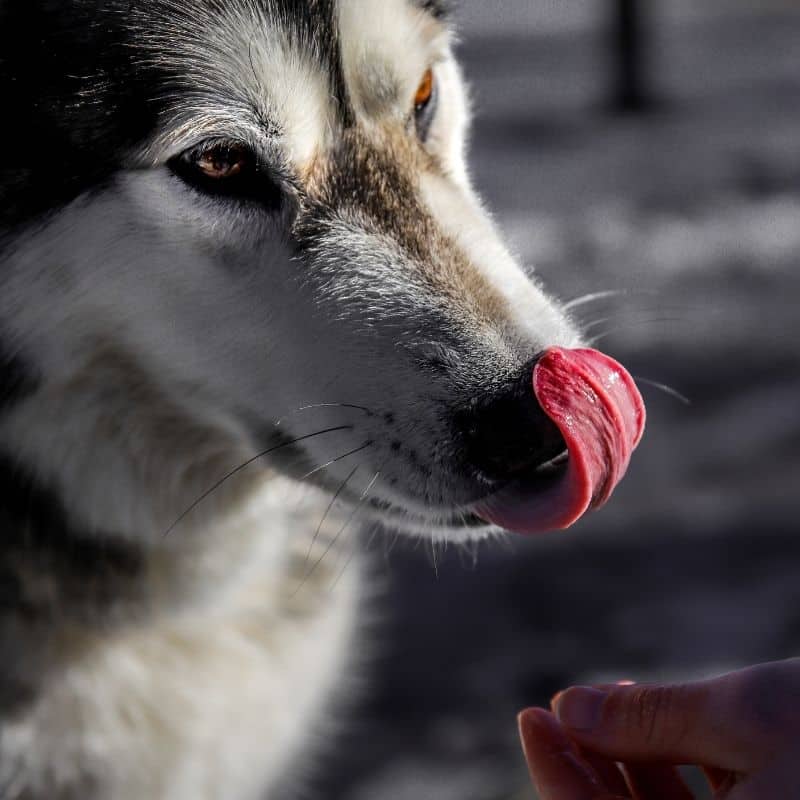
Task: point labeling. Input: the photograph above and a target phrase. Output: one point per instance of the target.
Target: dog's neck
(95, 472)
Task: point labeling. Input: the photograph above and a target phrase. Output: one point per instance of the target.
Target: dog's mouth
(599, 411)
(534, 480)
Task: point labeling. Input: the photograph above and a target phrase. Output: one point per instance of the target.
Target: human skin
(624, 741)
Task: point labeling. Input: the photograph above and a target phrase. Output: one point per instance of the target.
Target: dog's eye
(425, 104)
(227, 168)
(223, 161)
(216, 161)
(425, 90)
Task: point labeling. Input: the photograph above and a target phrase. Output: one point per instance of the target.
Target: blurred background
(650, 150)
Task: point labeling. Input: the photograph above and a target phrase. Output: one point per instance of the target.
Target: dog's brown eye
(425, 104)
(228, 168)
(221, 161)
(425, 91)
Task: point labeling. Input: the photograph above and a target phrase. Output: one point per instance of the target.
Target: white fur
(237, 62)
(211, 702)
(386, 49)
(159, 354)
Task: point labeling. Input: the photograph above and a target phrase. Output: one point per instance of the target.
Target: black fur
(78, 96)
(72, 101)
(317, 21)
(17, 379)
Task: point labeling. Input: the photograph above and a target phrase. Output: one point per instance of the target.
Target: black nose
(506, 432)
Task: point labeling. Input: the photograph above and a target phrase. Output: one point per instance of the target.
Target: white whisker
(341, 530)
(433, 556)
(595, 340)
(594, 297)
(663, 387)
(331, 504)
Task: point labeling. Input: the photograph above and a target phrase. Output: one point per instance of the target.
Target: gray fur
(206, 393)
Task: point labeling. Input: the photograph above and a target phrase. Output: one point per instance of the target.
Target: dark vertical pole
(629, 44)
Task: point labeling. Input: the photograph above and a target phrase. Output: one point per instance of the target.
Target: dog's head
(265, 205)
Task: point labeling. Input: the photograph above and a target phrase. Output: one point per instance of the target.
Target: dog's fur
(155, 337)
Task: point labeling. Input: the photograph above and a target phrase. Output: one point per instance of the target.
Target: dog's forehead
(293, 71)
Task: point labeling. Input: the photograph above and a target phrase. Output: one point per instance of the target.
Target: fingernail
(579, 708)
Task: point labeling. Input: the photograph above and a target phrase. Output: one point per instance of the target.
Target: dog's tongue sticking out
(598, 409)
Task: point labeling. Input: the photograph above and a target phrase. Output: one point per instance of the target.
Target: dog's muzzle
(556, 441)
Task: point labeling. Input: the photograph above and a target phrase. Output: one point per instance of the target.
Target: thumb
(696, 723)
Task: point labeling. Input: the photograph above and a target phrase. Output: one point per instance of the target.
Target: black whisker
(336, 460)
(359, 505)
(328, 511)
(246, 464)
(354, 548)
(323, 405)
(341, 530)
(377, 527)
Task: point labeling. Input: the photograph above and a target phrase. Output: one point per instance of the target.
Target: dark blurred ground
(694, 212)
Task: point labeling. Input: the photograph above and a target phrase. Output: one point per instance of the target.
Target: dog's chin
(455, 526)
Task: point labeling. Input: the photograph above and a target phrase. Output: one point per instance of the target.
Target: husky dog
(248, 298)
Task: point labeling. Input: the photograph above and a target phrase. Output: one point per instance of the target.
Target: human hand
(615, 742)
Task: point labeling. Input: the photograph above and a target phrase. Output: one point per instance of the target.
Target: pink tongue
(598, 409)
